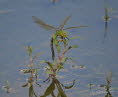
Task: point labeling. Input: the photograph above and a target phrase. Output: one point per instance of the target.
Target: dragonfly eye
(65, 34)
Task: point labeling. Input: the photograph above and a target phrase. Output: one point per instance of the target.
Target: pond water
(98, 54)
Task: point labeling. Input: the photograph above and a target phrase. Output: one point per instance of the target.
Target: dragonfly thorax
(61, 33)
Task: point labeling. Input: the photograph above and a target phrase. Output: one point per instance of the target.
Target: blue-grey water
(99, 55)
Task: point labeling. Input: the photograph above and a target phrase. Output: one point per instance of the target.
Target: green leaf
(25, 85)
(72, 59)
(75, 46)
(58, 48)
(43, 61)
(60, 90)
(76, 37)
(65, 41)
(29, 50)
(54, 62)
(36, 71)
(31, 91)
(49, 63)
(49, 90)
(64, 59)
(49, 72)
(55, 42)
(60, 66)
(54, 36)
(37, 55)
(70, 47)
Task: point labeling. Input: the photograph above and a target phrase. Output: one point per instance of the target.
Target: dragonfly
(59, 31)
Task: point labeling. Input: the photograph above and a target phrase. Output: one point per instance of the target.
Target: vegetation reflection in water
(108, 84)
(7, 87)
(105, 89)
(107, 17)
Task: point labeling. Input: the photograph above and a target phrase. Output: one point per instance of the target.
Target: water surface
(17, 29)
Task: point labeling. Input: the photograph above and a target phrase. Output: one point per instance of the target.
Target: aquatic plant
(32, 71)
(55, 84)
(7, 87)
(107, 86)
(59, 43)
(60, 34)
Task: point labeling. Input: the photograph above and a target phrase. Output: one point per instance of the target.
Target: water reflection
(106, 29)
(106, 17)
(108, 85)
(55, 84)
(7, 87)
(6, 11)
(108, 94)
(54, 1)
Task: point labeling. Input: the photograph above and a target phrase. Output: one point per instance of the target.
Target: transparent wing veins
(43, 24)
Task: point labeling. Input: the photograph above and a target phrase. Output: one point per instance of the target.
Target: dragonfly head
(65, 34)
(62, 33)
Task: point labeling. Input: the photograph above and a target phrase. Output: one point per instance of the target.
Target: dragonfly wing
(74, 27)
(43, 24)
(64, 22)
